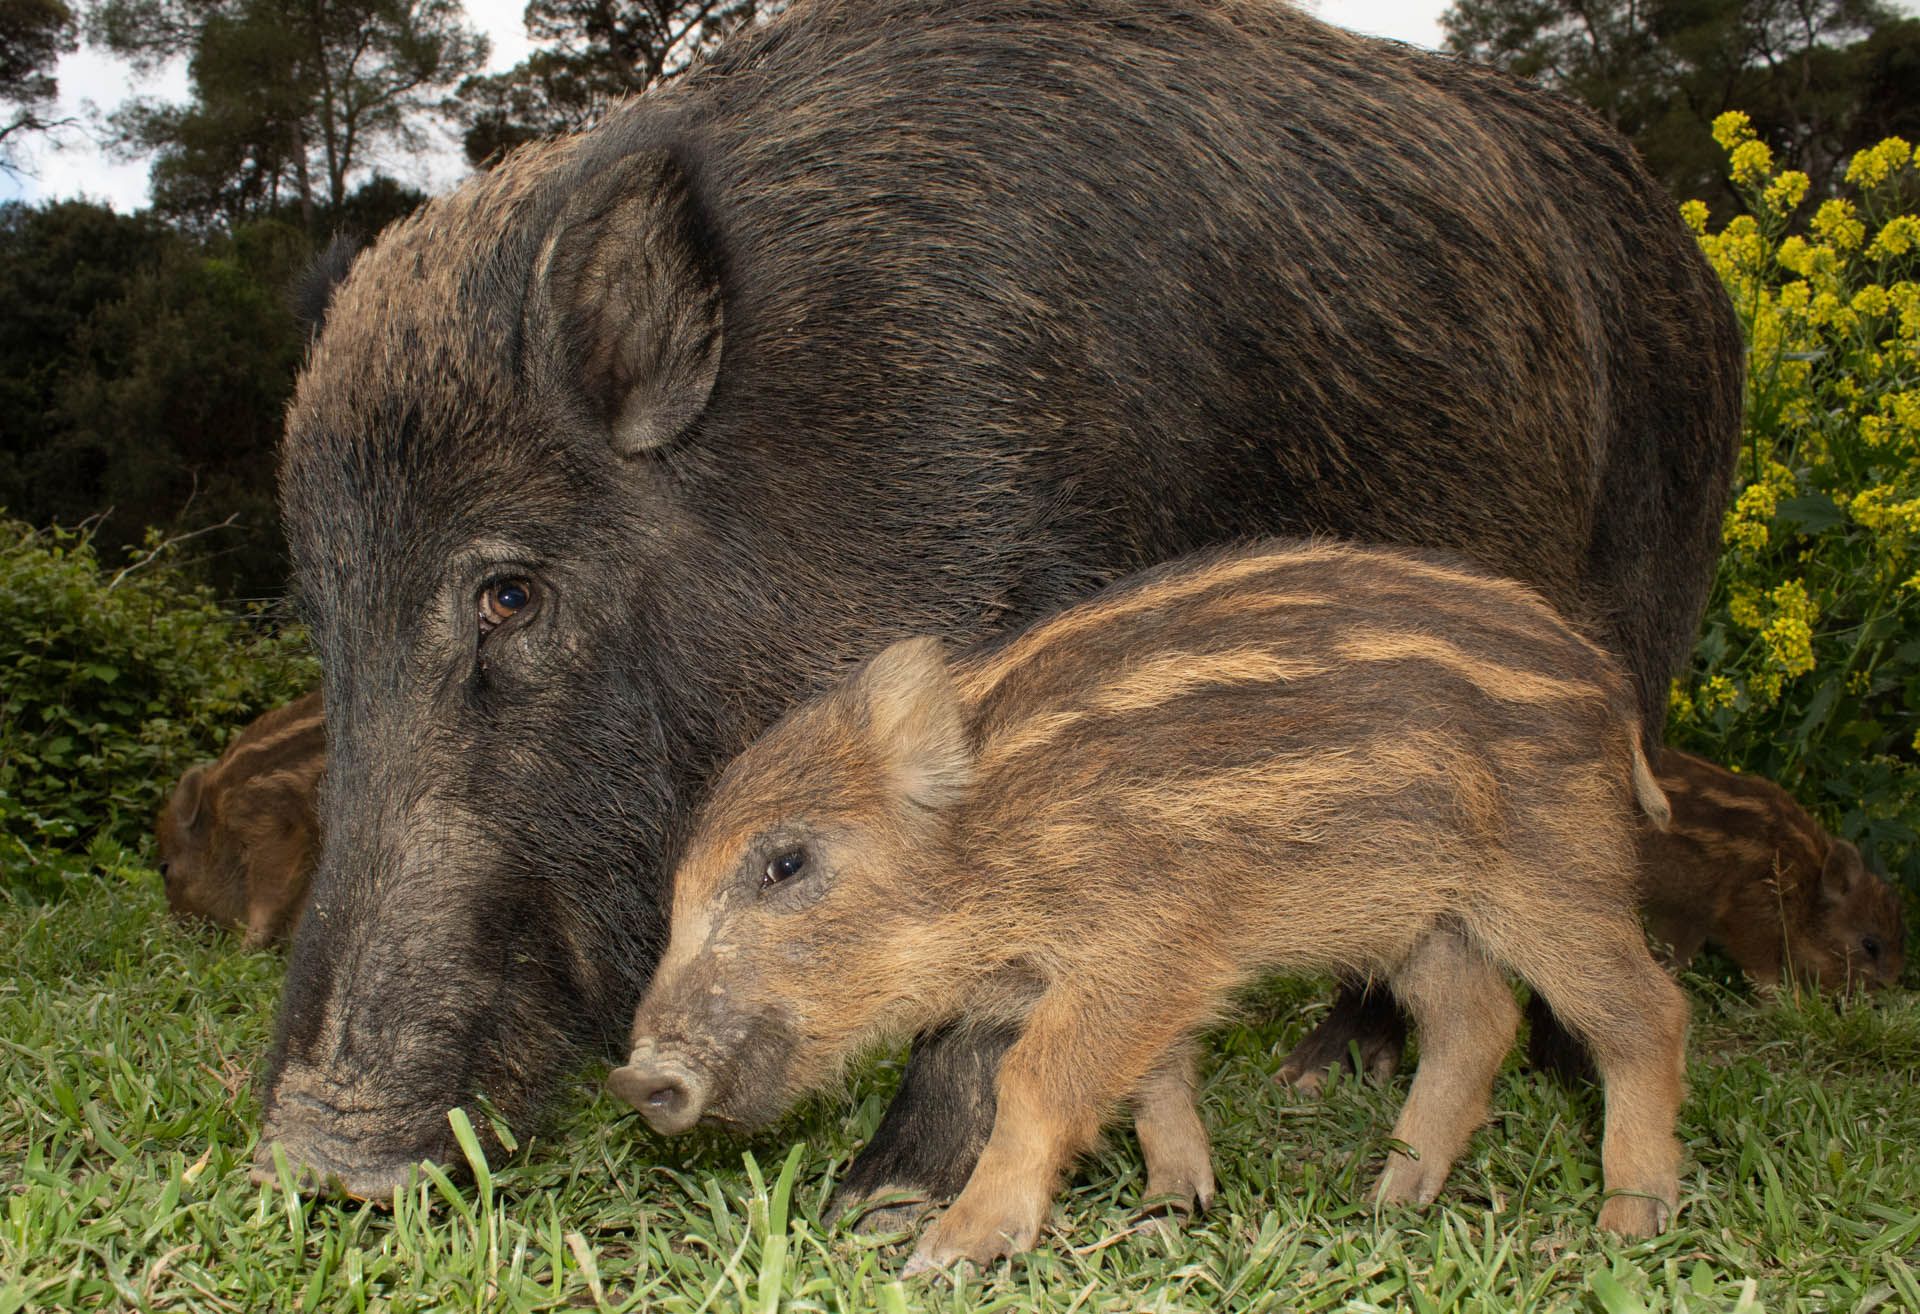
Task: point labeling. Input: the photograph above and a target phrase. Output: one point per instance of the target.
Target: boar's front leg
(1083, 1052)
(932, 1134)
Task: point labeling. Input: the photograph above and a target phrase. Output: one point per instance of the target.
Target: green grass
(128, 1045)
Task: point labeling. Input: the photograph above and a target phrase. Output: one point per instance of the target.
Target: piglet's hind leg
(1466, 1021)
(1173, 1139)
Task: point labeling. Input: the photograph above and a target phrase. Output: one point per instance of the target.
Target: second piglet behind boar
(1290, 758)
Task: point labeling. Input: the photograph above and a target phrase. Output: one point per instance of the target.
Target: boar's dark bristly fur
(902, 318)
(1294, 758)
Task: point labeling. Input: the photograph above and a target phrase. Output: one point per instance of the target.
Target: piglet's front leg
(1075, 1061)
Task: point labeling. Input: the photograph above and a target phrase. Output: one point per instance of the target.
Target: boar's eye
(1870, 945)
(502, 600)
(783, 867)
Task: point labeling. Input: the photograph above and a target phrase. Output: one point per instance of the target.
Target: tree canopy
(290, 99)
(1821, 79)
(591, 53)
(33, 36)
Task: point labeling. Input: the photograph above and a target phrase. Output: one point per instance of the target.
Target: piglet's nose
(669, 1097)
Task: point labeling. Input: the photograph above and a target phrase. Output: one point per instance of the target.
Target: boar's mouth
(355, 1152)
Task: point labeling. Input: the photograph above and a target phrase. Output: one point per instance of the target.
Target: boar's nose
(668, 1096)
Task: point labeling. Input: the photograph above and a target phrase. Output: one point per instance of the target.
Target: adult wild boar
(899, 318)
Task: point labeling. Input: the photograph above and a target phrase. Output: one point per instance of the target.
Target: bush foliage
(1808, 668)
(112, 682)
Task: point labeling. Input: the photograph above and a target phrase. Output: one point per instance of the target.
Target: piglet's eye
(1870, 946)
(784, 867)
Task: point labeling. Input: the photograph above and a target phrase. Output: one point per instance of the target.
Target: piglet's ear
(1842, 872)
(189, 796)
(280, 840)
(628, 285)
(918, 722)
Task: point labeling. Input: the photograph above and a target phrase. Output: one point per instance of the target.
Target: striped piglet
(1291, 758)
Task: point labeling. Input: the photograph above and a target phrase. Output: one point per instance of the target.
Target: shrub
(1808, 668)
(112, 682)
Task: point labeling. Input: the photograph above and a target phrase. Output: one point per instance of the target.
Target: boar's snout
(668, 1094)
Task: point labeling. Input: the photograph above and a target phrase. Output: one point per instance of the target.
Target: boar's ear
(629, 288)
(918, 722)
(312, 293)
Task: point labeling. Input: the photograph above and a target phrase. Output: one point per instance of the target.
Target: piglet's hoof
(1635, 1216)
(966, 1236)
(1187, 1193)
(1408, 1181)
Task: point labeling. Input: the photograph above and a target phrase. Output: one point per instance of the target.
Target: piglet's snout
(668, 1094)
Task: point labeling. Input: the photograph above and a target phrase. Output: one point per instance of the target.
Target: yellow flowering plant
(1808, 668)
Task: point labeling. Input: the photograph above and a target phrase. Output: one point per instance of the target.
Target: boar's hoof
(1185, 1197)
(1636, 1215)
(886, 1212)
(1364, 1034)
(667, 1095)
(1309, 1066)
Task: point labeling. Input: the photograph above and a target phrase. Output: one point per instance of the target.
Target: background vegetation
(1808, 667)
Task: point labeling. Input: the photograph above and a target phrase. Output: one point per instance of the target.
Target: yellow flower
(1835, 221)
(1906, 299)
(1794, 602)
(1872, 300)
(1786, 191)
(1896, 237)
(1694, 215)
(1881, 509)
(1827, 309)
(1789, 643)
(1875, 430)
(1720, 692)
(1678, 706)
(1871, 167)
(1746, 524)
(1751, 161)
(1732, 128)
(1795, 254)
(1744, 607)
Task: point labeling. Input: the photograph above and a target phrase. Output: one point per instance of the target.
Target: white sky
(92, 83)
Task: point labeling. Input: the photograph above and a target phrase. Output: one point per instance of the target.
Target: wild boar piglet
(1287, 758)
(1743, 865)
(238, 839)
